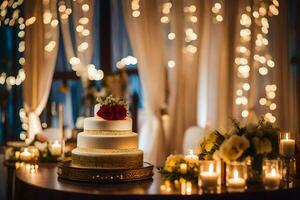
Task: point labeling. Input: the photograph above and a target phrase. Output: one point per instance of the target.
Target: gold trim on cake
(99, 132)
(109, 161)
(108, 151)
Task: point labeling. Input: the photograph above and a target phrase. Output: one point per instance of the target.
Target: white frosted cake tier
(123, 141)
(99, 124)
(107, 158)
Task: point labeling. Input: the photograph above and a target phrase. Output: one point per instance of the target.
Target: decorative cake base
(66, 170)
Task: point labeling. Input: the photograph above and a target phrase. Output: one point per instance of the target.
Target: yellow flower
(209, 146)
(213, 137)
(172, 162)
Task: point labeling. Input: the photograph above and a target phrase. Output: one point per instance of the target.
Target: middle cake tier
(124, 141)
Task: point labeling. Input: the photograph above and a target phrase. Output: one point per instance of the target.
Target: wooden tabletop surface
(46, 185)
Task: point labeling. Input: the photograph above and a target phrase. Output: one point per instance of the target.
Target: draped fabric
(218, 80)
(40, 61)
(287, 100)
(72, 47)
(146, 39)
(183, 78)
(202, 86)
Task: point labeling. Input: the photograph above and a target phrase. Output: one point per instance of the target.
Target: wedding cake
(107, 141)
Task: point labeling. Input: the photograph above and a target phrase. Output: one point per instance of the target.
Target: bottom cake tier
(108, 158)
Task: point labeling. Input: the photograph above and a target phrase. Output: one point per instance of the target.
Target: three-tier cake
(107, 141)
(107, 149)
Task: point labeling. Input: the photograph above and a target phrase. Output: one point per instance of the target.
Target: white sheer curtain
(203, 84)
(183, 78)
(41, 41)
(82, 21)
(145, 35)
(218, 81)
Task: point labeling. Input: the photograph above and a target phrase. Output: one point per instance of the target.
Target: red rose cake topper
(111, 108)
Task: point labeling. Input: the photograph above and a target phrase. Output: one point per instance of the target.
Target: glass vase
(254, 169)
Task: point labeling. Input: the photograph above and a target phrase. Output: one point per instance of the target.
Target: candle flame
(211, 168)
(235, 174)
(191, 152)
(56, 142)
(26, 150)
(273, 172)
(287, 136)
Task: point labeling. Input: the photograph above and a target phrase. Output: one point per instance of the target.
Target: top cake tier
(99, 124)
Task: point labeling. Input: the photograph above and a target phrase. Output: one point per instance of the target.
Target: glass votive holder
(209, 174)
(236, 176)
(287, 144)
(56, 148)
(272, 174)
(25, 155)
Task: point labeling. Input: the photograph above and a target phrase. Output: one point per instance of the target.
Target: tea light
(287, 145)
(236, 175)
(272, 179)
(183, 168)
(189, 187)
(166, 187)
(209, 179)
(236, 183)
(191, 156)
(25, 155)
(56, 148)
(183, 187)
(272, 175)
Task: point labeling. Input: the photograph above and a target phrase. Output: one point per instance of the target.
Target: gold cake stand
(67, 171)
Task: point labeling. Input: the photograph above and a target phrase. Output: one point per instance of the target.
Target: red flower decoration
(120, 112)
(114, 112)
(106, 112)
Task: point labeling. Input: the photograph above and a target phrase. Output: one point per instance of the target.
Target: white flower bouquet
(253, 143)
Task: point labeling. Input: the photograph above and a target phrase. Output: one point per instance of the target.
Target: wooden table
(44, 184)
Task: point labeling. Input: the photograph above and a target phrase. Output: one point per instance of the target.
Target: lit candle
(183, 187)
(236, 183)
(191, 156)
(209, 179)
(183, 168)
(287, 146)
(189, 187)
(56, 149)
(272, 179)
(25, 155)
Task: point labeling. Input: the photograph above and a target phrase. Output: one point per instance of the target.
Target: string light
(10, 15)
(135, 6)
(217, 12)
(242, 62)
(171, 63)
(87, 71)
(126, 61)
(262, 61)
(171, 36)
(262, 56)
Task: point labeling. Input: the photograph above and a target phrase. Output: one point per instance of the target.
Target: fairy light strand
(10, 15)
(262, 60)
(217, 12)
(82, 31)
(190, 35)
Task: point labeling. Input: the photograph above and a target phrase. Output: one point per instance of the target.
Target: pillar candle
(287, 146)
